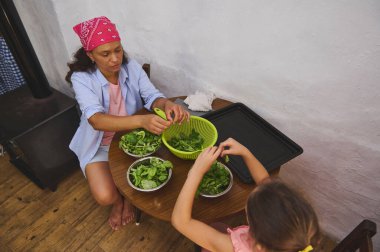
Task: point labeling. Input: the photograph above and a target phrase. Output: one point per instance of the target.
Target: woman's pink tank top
(117, 107)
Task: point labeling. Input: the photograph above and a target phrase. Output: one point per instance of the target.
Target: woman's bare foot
(128, 213)
(116, 215)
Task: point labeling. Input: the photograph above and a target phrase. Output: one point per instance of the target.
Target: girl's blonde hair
(281, 219)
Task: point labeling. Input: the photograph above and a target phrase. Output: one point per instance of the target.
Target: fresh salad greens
(140, 142)
(215, 181)
(150, 173)
(188, 143)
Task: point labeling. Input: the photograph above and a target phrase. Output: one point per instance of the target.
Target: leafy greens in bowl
(216, 182)
(140, 143)
(149, 173)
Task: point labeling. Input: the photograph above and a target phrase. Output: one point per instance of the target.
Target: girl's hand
(155, 124)
(206, 159)
(233, 147)
(179, 112)
(257, 170)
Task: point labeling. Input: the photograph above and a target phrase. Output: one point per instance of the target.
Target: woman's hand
(233, 147)
(179, 112)
(204, 161)
(154, 123)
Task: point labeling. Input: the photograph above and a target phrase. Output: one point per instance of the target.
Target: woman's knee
(101, 183)
(106, 197)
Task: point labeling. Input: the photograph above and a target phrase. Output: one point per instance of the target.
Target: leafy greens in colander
(189, 143)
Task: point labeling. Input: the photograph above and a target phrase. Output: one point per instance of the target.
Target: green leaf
(148, 184)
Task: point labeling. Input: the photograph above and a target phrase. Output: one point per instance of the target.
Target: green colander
(204, 127)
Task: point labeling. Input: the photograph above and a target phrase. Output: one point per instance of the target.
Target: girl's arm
(257, 170)
(197, 231)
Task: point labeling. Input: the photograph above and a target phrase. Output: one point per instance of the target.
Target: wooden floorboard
(12, 183)
(3, 247)
(32, 219)
(18, 201)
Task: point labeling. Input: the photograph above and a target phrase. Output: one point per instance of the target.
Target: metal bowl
(146, 160)
(226, 190)
(139, 156)
(126, 150)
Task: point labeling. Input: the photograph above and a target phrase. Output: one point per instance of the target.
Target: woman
(110, 89)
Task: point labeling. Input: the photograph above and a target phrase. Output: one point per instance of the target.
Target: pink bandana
(96, 32)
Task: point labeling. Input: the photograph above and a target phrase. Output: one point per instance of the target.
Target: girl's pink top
(242, 240)
(117, 107)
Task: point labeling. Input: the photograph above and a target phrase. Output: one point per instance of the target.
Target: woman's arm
(88, 96)
(197, 231)
(150, 122)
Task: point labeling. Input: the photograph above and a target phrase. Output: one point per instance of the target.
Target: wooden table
(160, 203)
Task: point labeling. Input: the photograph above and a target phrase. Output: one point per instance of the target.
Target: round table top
(160, 203)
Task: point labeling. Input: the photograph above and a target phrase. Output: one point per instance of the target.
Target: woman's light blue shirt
(92, 95)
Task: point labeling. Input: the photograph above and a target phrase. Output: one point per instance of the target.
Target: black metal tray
(270, 146)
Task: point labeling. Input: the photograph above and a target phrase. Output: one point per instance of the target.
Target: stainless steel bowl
(142, 161)
(226, 190)
(139, 156)
(127, 151)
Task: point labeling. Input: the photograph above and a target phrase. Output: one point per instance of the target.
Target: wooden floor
(32, 219)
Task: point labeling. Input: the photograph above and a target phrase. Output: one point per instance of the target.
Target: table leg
(197, 248)
(138, 216)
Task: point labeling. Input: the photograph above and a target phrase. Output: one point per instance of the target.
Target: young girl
(279, 218)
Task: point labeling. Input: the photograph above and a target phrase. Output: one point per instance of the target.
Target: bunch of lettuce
(188, 143)
(140, 142)
(215, 181)
(151, 173)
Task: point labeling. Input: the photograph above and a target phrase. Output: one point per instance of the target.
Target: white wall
(40, 22)
(311, 68)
